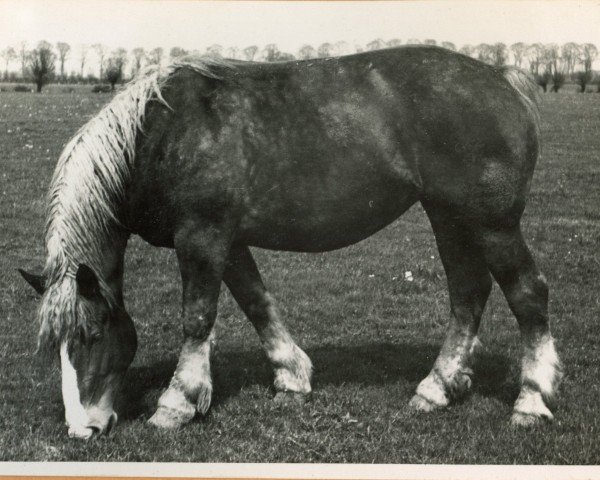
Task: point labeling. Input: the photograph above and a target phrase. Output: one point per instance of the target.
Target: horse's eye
(96, 336)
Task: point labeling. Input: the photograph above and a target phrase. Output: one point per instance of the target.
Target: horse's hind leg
(201, 252)
(469, 284)
(526, 291)
(291, 365)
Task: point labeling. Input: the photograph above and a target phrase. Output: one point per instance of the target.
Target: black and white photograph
(284, 237)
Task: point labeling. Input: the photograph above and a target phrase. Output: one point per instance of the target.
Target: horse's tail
(527, 89)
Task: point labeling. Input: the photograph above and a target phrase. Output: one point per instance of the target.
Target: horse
(212, 157)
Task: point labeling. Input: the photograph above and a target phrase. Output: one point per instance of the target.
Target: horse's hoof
(290, 399)
(530, 409)
(168, 419)
(421, 404)
(524, 420)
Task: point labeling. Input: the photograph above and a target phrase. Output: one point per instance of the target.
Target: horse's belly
(321, 224)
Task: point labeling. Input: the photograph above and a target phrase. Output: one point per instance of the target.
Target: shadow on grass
(370, 364)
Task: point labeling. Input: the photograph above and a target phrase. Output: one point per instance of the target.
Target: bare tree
(467, 50)
(325, 50)
(413, 41)
(518, 51)
(83, 52)
(250, 52)
(543, 80)
(155, 56)
(552, 67)
(570, 53)
(42, 64)
(271, 52)
(63, 52)
(492, 54)
(285, 57)
(177, 52)
(484, 53)
(215, 51)
(233, 53)
(588, 54)
(306, 52)
(429, 41)
(551, 57)
(449, 46)
(138, 55)
(9, 55)
(498, 51)
(558, 80)
(121, 55)
(23, 56)
(376, 44)
(394, 42)
(101, 54)
(116, 66)
(582, 78)
(535, 54)
(341, 48)
(114, 73)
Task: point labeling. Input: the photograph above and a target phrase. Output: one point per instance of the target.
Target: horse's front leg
(291, 365)
(201, 253)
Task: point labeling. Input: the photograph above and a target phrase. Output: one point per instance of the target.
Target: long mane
(86, 191)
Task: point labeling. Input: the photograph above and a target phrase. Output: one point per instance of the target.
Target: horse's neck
(113, 257)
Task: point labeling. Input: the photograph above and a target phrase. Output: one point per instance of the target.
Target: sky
(290, 24)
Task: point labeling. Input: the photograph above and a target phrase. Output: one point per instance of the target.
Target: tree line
(551, 64)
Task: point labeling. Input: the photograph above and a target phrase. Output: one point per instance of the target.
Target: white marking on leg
(193, 369)
(190, 389)
(76, 417)
(174, 399)
(447, 367)
(191, 386)
(293, 368)
(174, 409)
(541, 366)
(432, 389)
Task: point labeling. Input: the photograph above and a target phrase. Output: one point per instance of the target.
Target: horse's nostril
(111, 423)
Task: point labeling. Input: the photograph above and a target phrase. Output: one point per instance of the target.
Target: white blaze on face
(75, 415)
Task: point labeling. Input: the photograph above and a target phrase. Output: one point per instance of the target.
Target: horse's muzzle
(94, 428)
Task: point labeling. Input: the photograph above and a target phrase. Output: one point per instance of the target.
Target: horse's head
(94, 358)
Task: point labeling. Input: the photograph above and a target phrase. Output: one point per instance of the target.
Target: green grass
(371, 335)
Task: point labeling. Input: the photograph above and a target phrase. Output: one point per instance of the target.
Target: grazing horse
(212, 157)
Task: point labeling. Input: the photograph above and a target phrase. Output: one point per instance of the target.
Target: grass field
(372, 335)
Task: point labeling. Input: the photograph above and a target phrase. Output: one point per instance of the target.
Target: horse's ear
(87, 282)
(38, 282)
